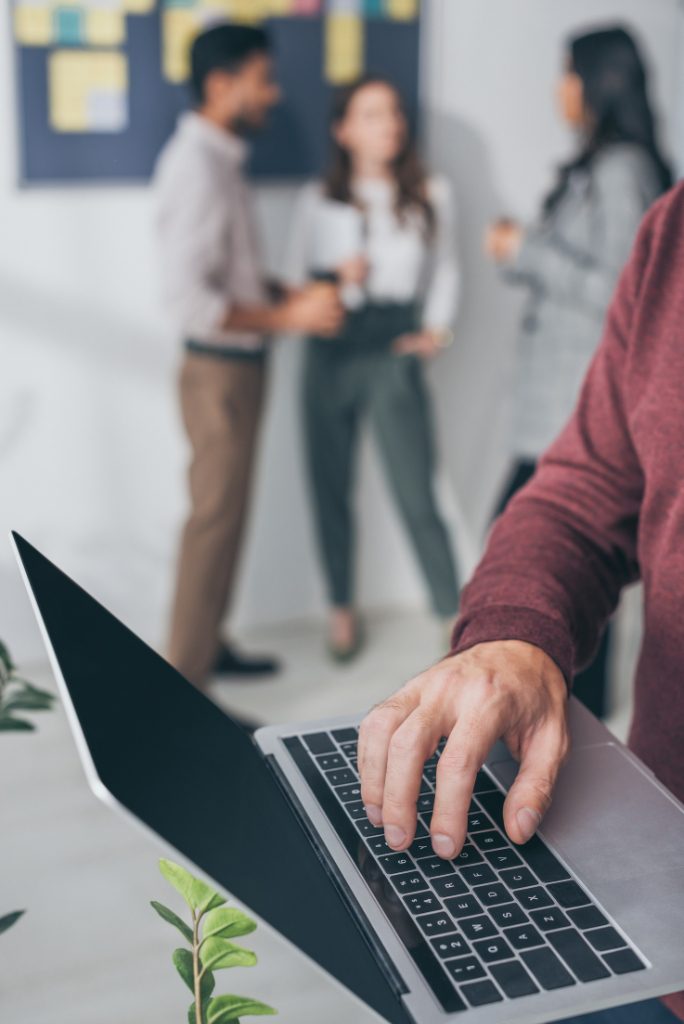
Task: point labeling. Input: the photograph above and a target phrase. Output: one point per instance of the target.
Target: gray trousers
(346, 379)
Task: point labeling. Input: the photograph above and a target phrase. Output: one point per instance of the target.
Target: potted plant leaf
(209, 948)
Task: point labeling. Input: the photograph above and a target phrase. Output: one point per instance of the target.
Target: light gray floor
(90, 949)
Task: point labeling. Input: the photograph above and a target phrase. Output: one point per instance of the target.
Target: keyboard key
(421, 847)
(549, 919)
(523, 936)
(468, 855)
(340, 777)
(422, 902)
(421, 830)
(491, 895)
(378, 845)
(449, 885)
(348, 793)
(540, 859)
(483, 782)
(356, 810)
(463, 906)
(434, 866)
(493, 803)
(569, 894)
(587, 917)
(532, 899)
(409, 882)
(394, 863)
(477, 928)
(547, 968)
(509, 914)
(346, 735)
(430, 773)
(450, 945)
(465, 968)
(435, 924)
(478, 822)
(577, 954)
(478, 874)
(513, 979)
(507, 858)
(425, 803)
(328, 761)
(518, 878)
(489, 840)
(479, 993)
(425, 788)
(349, 749)
(623, 961)
(366, 828)
(605, 938)
(493, 949)
(320, 743)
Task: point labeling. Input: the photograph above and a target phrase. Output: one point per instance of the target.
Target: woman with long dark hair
(383, 230)
(570, 260)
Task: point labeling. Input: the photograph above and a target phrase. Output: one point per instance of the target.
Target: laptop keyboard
(497, 922)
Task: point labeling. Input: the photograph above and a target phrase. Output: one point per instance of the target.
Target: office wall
(91, 453)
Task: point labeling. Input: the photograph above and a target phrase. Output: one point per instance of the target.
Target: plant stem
(196, 968)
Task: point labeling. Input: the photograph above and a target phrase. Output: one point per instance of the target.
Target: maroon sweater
(606, 507)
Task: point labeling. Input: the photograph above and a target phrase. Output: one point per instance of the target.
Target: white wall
(91, 453)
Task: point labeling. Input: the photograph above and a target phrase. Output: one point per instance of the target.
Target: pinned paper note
(344, 47)
(32, 25)
(105, 27)
(402, 10)
(179, 27)
(87, 91)
(139, 6)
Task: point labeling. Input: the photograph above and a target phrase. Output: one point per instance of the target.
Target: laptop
(589, 914)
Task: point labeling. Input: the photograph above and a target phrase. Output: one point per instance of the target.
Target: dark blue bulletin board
(111, 127)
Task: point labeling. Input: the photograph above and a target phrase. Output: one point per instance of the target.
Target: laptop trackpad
(606, 814)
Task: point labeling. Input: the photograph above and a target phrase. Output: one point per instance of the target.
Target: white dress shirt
(208, 244)
(405, 262)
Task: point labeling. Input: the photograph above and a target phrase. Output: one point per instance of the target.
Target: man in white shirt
(224, 311)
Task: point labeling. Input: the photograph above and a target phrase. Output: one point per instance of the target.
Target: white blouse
(404, 264)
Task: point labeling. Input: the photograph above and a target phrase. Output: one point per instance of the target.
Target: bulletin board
(100, 83)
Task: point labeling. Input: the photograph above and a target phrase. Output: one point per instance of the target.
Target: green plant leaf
(228, 923)
(191, 1014)
(6, 659)
(22, 701)
(217, 954)
(197, 894)
(182, 961)
(9, 919)
(226, 1008)
(9, 724)
(174, 919)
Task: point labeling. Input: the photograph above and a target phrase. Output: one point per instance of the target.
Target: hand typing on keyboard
(507, 689)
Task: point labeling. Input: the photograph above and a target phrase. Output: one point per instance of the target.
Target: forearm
(260, 319)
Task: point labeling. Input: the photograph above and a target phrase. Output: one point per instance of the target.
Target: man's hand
(503, 240)
(426, 344)
(316, 309)
(508, 689)
(353, 271)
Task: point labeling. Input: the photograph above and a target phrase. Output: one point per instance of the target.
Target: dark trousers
(591, 684)
(348, 380)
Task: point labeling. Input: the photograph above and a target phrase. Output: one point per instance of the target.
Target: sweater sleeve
(623, 187)
(567, 543)
(444, 283)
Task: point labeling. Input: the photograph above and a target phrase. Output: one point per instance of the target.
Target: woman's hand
(503, 240)
(353, 271)
(425, 344)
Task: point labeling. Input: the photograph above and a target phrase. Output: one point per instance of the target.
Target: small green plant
(17, 694)
(209, 936)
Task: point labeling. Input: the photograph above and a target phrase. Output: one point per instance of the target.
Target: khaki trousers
(221, 401)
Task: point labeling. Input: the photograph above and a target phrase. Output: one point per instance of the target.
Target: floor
(90, 950)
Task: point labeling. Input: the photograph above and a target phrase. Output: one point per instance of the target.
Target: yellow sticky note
(215, 8)
(32, 25)
(344, 46)
(281, 8)
(138, 6)
(402, 10)
(250, 12)
(87, 90)
(105, 28)
(180, 26)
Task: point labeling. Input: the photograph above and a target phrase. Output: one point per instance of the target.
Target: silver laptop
(588, 915)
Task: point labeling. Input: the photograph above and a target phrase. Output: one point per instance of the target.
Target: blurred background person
(571, 259)
(383, 229)
(216, 291)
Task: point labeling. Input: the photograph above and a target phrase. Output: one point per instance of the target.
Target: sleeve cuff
(504, 622)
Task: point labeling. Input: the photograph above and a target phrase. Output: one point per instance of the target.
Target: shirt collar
(230, 145)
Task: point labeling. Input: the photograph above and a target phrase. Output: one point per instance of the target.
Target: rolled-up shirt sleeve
(193, 225)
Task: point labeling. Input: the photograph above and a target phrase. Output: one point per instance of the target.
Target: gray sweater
(571, 262)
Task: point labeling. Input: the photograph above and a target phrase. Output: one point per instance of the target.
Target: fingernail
(394, 835)
(374, 814)
(444, 846)
(528, 822)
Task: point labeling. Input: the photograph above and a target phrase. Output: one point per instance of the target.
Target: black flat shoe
(231, 663)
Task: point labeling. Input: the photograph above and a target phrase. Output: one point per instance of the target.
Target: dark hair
(224, 48)
(615, 83)
(410, 175)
